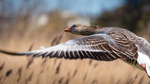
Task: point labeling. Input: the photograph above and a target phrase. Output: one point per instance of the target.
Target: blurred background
(28, 24)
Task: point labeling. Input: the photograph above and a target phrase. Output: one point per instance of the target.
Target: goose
(99, 43)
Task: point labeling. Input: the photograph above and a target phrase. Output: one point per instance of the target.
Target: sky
(84, 7)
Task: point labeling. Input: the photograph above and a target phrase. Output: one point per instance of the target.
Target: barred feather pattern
(106, 45)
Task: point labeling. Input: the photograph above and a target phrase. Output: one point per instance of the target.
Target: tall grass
(19, 37)
(28, 70)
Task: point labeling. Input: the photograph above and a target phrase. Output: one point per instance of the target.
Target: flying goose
(102, 43)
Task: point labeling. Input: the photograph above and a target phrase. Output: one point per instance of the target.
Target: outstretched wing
(100, 46)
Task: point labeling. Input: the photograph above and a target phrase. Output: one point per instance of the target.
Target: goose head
(81, 29)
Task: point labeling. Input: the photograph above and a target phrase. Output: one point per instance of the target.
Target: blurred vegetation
(22, 27)
(133, 15)
(25, 21)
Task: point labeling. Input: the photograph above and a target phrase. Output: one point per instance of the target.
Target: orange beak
(68, 30)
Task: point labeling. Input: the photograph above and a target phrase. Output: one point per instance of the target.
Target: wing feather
(97, 46)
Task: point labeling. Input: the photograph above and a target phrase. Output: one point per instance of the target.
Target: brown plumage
(103, 43)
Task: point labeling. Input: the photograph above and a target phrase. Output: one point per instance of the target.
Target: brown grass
(28, 70)
(17, 36)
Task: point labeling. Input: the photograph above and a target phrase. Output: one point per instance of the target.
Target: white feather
(144, 59)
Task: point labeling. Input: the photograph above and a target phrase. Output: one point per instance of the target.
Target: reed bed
(29, 70)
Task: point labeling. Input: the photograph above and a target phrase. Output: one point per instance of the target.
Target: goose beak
(68, 30)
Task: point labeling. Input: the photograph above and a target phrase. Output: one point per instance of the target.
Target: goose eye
(74, 26)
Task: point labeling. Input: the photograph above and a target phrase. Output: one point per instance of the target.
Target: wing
(97, 46)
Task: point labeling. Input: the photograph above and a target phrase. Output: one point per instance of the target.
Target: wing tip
(11, 53)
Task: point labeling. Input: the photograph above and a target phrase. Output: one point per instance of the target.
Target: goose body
(104, 44)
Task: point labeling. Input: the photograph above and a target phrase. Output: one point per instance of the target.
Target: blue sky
(84, 7)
